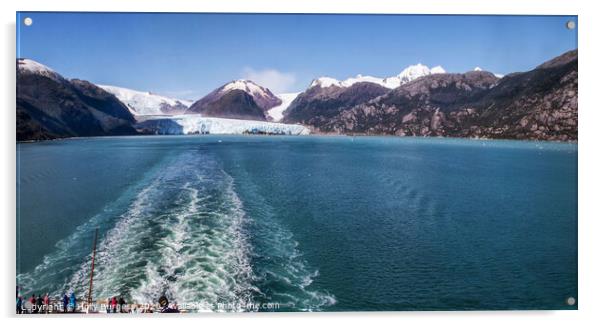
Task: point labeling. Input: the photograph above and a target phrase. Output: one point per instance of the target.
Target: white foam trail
(182, 237)
(185, 235)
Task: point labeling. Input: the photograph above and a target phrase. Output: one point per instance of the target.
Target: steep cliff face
(538, 104)
(50, 106)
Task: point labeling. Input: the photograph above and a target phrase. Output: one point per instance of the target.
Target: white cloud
(278, 82)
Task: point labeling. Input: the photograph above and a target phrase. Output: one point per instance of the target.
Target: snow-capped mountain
(248, 86)
(147, 103)
(276, 113)
(238, 99)
(407, 75)
(452, 104)
(51, 106)
(416, 71)
(262, 96)
(325, 96)
(34, 67)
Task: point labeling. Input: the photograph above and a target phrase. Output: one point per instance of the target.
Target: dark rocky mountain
(261, 96)
(50, 106)
(234, 104)
(539, 104)
(318, 104)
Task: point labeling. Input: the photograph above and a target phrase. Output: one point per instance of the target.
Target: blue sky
(188, 55)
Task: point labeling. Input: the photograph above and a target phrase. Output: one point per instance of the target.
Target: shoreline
(308, 135)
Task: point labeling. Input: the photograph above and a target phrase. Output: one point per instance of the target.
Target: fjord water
(310, 223)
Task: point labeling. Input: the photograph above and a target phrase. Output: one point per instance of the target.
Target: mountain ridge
(539, 104)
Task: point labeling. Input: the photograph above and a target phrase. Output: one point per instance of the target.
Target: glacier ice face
(196, 124)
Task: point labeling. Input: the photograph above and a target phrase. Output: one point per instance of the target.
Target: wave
(281, 274)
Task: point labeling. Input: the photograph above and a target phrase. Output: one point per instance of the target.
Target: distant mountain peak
(416, 71)
(241, 92)
(410, 73)
(245, 85)
(262, 95)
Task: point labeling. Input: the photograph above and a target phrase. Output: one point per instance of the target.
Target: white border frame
(589, 148)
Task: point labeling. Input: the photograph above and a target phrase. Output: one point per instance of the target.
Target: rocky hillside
(539, 104)
(323, 101)
(50, 106)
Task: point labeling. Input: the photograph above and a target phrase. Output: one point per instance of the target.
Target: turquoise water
(309, 223)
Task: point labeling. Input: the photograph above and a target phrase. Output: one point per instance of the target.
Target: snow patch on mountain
(34, 67)
(437, 70)
(277, 112)
(245, 85)
(477, 68)
(407, 75)
(413, 72)
(325, 82)
(145, 103)
(361, 79)
(196, 124)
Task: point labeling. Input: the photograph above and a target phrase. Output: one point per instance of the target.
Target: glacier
(277, 112)
(145, 103)
(187, 124)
